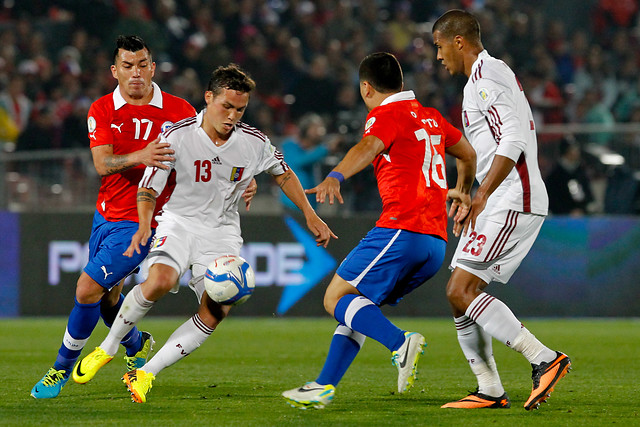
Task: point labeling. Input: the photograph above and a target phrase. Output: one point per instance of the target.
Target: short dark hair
(458, 22)
(382, 70)
(131, 44)
(230, 77)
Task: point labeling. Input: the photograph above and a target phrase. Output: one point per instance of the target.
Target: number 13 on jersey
(433, 167)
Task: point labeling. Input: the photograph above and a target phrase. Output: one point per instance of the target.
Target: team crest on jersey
(236, 174)
(91, 124)
(165, 126)
(484, 94)
(158, 241)
(369, 123)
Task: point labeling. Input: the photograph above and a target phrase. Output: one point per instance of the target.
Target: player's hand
(155, 153)
(321, 230)
(459, 209)
(329, 187)
(249, 192)
(141, 237)
(478, 203)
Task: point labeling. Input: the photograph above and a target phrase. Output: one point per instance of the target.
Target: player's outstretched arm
(146, 200)
(356, 159)
(290, 185)
(154, 154)
(460, 196)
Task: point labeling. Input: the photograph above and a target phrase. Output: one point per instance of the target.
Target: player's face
(134, 71)
(448, 53)
(225, 109)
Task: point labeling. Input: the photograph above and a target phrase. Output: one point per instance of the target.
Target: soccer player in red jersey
(124, 129)
(406, 143)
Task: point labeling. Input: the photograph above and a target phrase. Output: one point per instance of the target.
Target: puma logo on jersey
(117, 127)
(104, 269)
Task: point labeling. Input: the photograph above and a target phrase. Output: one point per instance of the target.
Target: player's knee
(455, 293)
(88, 291)
(329, 303)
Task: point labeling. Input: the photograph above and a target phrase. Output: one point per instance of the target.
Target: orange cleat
(478, 400)
(545, 376)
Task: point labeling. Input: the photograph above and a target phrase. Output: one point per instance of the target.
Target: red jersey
(411, 171)
(128, 128)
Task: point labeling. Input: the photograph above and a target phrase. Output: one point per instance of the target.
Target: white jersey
(210, 180)
(498, 120)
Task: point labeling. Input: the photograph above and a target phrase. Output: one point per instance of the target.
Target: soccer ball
(229, 280)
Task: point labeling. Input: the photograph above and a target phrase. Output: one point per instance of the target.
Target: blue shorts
(389, 263)
(108, 241)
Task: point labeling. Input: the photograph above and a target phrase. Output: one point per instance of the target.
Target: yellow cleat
(88, 367)
(140, 358)
(138, 383)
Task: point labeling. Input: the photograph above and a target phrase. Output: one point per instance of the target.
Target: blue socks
(345, 345)
(361, 314)
(82, 321)
(359, 317)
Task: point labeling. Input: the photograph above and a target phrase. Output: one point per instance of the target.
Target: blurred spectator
(15, 102)
(305, 152)
(592, 110)
(315, 91)
(567, 184)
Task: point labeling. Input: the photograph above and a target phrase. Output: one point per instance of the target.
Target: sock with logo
(184, 340)
(498, 321)
(477, 348)
(134, 307)
(82, 321)
(132, 342)
(345, 345)
(362, 315)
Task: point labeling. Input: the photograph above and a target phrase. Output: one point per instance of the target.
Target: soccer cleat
(50, 385)
(138, 360)
(138, 383)
(545, 376)
(477, 400)
(310, 395)
(88, 367)
(406, 359)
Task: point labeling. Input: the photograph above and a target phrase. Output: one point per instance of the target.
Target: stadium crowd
(303, 55)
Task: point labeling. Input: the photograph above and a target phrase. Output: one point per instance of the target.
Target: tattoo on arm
(145, 196)
(117, 164)
(284, 180)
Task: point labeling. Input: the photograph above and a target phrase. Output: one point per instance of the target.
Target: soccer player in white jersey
(216, 157)
(505, 216)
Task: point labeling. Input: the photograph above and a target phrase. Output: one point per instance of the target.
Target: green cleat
(138, 360)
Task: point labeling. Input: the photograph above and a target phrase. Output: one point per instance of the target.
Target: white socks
(134, 307)
(184, 340)
(488, 317)
(477, 347)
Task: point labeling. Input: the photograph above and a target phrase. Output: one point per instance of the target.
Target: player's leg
(184, 340)
(507, 244)
(80, 324)
(136, 305)
(476, 345)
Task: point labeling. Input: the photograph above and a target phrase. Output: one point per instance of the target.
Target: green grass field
(236, 377)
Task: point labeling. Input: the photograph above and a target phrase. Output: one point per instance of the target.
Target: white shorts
(497, 246)
(182, 248)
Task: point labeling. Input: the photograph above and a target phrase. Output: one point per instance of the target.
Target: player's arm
(290, 185)
(500, 168)
(154, 154)
(460, 196)
(357, 158)
(146, 201)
